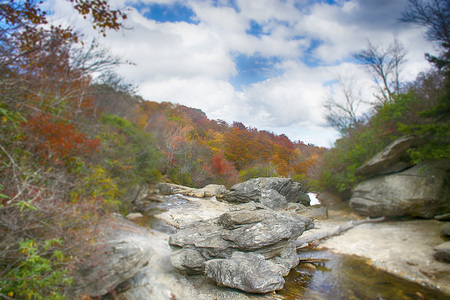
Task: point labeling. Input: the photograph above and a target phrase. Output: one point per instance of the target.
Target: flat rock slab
(195, 209)
(402, 248)
(160, 281)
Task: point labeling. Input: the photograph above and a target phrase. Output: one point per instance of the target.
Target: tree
(341, 108)
(433, 14)
(27, 14)
(45, 155)
(385, 66)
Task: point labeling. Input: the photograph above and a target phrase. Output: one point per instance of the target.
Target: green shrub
(40, 274)
(259, 170)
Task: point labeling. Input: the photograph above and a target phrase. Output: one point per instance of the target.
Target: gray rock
(256, 189)
(215, 190)
(316, 212)
(443, 217)
(211, 190)
(272, 199)
(248, 272)
(121, 251)
(135, 194)
(445, 230)
(255, 229)
(327, 198)
(442, 252)
(419, 192)
(134, 216)
(387, 160)
(164, 188)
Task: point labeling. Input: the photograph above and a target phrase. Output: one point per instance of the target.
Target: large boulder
(421, 191)
(121, 250)
(393, 158)
(253, 229)
(442, 252)
(249, 272)
(268, 190)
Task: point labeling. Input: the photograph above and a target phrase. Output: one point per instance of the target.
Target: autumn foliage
(200, 151)
(59, 142)
(73, 144)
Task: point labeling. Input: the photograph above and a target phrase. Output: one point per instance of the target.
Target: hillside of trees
(74, 138)
(421, 107)
(196, 151)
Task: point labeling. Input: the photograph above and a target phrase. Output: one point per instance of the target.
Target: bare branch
(385, 66)
(341, 108)
(433, 14)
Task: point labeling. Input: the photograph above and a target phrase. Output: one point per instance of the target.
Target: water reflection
(347, 277)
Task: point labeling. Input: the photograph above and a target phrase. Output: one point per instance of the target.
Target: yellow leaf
(3, 120)
(11, 294)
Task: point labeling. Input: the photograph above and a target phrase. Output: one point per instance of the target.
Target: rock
(445, 230)
(443, 217)
(211, 190)
(198, 193)
(256, 189)
(389, 160)
(316, 212)
(327, 198)
(442, 252)
(121, 251)
(420, 191)
(272, 199)
(295, 207)
(159, 280)
(136, 194)
(215, 190)
(134, 216)
(255, 229)
(248, 272)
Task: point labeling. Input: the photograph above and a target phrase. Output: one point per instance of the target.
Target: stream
(330, 276)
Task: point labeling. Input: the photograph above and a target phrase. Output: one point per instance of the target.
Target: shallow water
(336, 277)
(348, 277)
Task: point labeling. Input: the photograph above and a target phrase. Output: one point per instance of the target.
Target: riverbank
(401, 248)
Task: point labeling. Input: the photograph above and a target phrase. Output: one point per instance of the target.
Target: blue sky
(269, 64)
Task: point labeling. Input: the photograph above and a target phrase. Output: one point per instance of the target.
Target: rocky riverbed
(403, 248)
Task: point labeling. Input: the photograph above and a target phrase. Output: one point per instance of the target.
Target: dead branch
(304, 241)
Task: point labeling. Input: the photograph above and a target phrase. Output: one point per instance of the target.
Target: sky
(269, 64)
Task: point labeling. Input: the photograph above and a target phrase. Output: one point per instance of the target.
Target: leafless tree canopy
(433, 14)
(341, 108)
(385, 64)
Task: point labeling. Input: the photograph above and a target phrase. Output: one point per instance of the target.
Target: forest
(74, 137)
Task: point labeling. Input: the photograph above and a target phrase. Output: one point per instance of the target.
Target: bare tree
(341, 108)
(433, 14)
(385, 66)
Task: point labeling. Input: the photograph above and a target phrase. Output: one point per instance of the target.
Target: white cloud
(191, 63)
